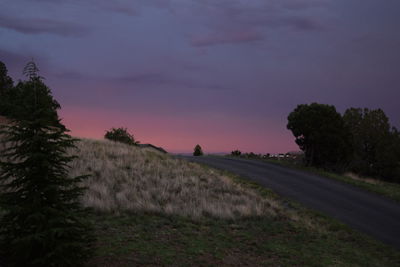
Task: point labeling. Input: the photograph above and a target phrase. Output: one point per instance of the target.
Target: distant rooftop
(152, 146)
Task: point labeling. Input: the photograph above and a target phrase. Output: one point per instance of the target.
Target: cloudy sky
(221, 73)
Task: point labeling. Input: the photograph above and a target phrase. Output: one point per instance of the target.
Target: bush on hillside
(120, 135)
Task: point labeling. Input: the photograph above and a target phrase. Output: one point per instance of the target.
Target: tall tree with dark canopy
(6, 85)
(42, 222)
(5, 81)
(376, 143)
(321, 133)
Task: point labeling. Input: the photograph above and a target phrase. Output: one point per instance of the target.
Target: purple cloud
(39, 26)
(122, 7)
(167, 80)
(303, 24)
(225, 20)
(304, 4)
(218, 38)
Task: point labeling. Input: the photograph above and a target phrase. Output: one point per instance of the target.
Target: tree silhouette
(42, 223)
(31, 70)
(120, 135)
(6, 86)
(321, 133)
(376, 143)
(236, 153)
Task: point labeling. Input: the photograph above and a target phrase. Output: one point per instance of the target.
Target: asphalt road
(361, 210)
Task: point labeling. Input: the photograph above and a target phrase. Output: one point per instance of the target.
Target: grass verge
(296, 236)
(390, 190)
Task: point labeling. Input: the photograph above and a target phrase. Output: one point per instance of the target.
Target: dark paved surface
(364, 211)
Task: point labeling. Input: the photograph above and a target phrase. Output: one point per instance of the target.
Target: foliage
(20, 102)
(120, 135)
(252, 155)
(198, 151)
(43, 223)
(376, 144)
(387, 189)
(31, 70)
(6, 85)
(321, 133)
(5, 81)
(236, 153)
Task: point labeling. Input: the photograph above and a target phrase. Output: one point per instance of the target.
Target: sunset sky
(224, 74)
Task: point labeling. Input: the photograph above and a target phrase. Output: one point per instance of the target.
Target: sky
(224, 74)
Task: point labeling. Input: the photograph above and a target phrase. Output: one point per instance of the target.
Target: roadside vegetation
(374, 185)
(378, 186)
(361, 141)
(359, 147)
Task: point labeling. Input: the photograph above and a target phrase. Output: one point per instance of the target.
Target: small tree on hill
(42, 222)
(198, 151)
(120, 135)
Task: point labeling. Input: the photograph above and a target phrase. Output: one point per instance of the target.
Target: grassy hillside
(150, 209)
(131, 179)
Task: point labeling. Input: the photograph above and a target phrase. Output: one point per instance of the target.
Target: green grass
(145, 239)
(390, 190)
(150, 239)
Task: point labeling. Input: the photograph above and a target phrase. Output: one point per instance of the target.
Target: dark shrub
(120, 135)
(198, 151)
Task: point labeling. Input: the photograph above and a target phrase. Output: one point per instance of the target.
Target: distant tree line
(362, 140)
(236, 153)
(41, 222)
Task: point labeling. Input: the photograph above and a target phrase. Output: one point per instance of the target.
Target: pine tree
(6, 86)
(5, 81)
(42, 223)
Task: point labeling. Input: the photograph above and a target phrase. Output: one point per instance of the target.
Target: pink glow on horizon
(180, 134)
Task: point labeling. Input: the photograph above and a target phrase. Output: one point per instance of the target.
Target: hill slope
(127, 178)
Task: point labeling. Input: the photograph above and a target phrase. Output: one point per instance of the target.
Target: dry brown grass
(126, 178)
(362, 179)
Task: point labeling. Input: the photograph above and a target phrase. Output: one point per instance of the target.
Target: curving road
(362, 210)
